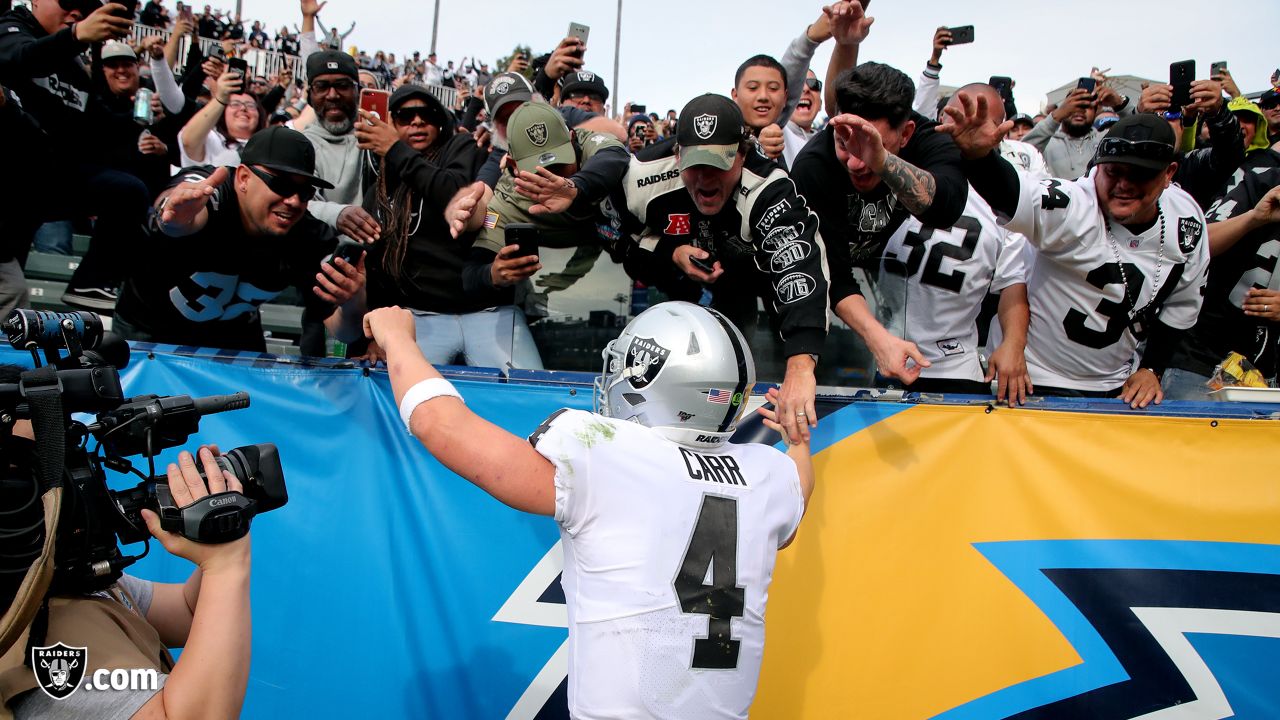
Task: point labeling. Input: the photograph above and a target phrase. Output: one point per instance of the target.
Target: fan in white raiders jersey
(932, 284)
(1121, 256)
(670, 532)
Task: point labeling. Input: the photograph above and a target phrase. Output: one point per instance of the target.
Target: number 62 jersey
(668, 555)
(1085, 323)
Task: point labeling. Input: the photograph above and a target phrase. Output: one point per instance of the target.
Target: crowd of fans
(1097, 249)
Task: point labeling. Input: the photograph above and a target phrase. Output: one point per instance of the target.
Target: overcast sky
(673, 50)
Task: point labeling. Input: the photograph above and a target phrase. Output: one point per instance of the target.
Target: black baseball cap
(1269, 98)
(506, 88)
(583, 81)
(283, 150)
(1024, 119)
(710, 130)
(328, 62)
(1143, 140)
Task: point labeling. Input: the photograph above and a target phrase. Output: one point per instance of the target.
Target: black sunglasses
(322, 87)
(285, 187)
(405, 115)
(813, 84)
(1142, 149)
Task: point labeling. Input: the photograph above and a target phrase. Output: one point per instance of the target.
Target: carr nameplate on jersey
(1189, 232)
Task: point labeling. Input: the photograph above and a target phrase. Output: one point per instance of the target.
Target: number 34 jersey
(1085, 323)
(668, 555)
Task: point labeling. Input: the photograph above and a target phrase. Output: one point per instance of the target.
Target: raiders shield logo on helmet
(645, 359)
(1189, 232)
(537, 133)
(705, 125)
(59, 668)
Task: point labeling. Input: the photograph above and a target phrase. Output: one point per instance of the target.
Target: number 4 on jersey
(714, 547)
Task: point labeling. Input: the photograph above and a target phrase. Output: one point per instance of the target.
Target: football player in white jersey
(1122, 255)
(670, 532)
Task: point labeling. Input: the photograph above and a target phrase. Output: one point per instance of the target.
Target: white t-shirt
(658, 536)
(1082, 335)
(932, 284)
(216, 152)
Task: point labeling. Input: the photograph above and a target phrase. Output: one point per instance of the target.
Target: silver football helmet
(680, 368)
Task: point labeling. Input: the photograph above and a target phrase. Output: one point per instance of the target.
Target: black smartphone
(1216, 69)
(525, 235)
(706, 265)
(639, 109)
(1087, 84)
(239, 65)
(1003, 85)
(1180, 76)
(130, 9)
(962, 35)
(348, 250)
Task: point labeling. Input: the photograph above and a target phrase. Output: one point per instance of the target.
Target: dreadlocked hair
(396, 209)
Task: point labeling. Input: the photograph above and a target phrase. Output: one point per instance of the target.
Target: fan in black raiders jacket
(1241, 310)
(718, 214)
(223, 241)
(875, 165)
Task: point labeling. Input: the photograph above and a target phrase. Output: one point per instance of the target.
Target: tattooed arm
(913, 186)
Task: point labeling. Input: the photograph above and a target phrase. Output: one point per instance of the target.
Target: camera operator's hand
(102, 24)
(187, 487)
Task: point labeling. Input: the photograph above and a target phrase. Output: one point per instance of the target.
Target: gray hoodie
(338, 160)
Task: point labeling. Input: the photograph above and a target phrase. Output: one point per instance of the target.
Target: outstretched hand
(186, 201)
(462, 207)
(974, 126)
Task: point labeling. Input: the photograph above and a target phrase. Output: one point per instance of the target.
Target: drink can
(142, 112)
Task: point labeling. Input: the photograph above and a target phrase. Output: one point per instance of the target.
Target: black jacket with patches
(49, 74)
(765, 238)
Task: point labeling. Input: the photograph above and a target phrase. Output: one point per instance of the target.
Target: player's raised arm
(503, 465)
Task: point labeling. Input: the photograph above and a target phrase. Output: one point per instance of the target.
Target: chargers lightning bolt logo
(1165, 629)
(539, 600)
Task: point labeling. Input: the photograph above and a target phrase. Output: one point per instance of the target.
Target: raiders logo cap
(709, 132)
(538, 136)
(583, 81)
(330, 62)
(504, 88)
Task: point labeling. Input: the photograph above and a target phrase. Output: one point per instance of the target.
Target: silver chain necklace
(1155, 286)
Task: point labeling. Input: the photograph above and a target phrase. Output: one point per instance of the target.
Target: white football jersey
(1082, 333)
(668, 554)
(932, 283)
(1024, 156)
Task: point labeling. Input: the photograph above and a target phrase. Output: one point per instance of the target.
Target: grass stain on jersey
(593, 432)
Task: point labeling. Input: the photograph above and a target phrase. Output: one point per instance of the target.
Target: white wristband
(422, 392)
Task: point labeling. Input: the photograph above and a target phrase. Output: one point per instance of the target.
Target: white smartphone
(580, 31)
